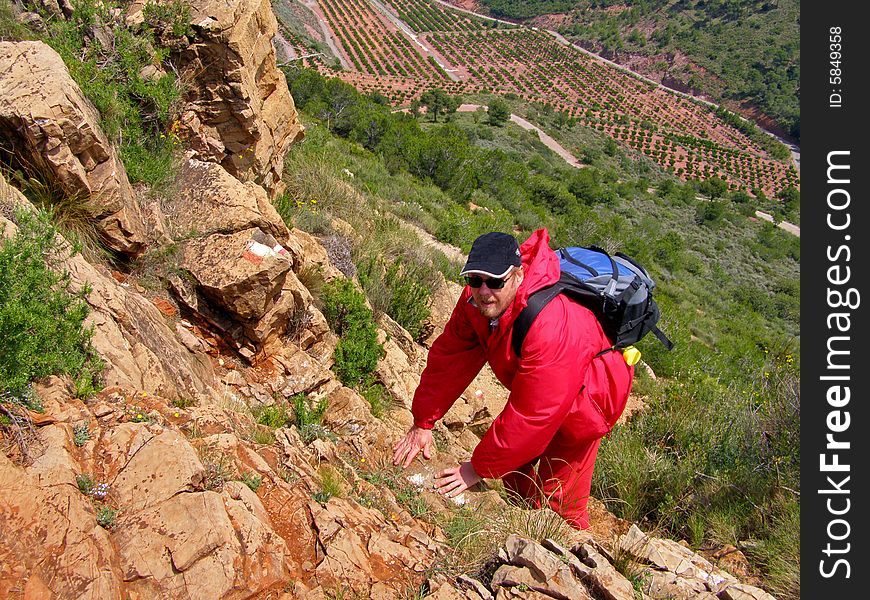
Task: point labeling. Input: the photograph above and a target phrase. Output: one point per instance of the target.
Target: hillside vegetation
(744, 54)
(402, 51)
(715, 456)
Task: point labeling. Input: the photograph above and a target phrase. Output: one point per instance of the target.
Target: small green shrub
(358, 350)
(309, 419)
(263, 436)
(106, 517)
(10, 27)
(252, 480)
(85, 483)
(274, 416)
(171, 18)
(375, 395)
(81, 434)
(136, 113)
(321, 497)
(331, 484)
(41, 316)
(401, 287)
(183, 402)
(413, 502)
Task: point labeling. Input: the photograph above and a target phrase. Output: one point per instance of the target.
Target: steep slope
(181, 478)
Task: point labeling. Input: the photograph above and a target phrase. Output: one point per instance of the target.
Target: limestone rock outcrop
(131, 335)
(237, 260)
(53, 133)
(529, 569)
(238, 111)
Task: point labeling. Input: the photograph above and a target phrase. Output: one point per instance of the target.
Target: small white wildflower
(460, 500)
(100, 491)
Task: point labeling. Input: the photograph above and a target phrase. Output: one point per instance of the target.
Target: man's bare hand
(409, 446)
(454, 481)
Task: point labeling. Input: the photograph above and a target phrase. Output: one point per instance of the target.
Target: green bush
(41, 317)
(309, 419)
(358, 350)
(274, 416)
(401, 287)
(252, 480)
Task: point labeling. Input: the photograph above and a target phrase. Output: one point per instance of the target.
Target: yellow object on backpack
(631, 356)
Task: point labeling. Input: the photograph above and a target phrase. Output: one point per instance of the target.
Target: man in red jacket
(563, 398)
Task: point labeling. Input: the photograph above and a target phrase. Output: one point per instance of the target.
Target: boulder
(243, 285)
(533, 566)
(210, 200)
(184, 546)
(668, 555)
(53, 132)
(130, 455)
(241, 273)
(361, 548)
(594, 570)
(50, 543)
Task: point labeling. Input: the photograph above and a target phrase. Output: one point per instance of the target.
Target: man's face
(492, 303)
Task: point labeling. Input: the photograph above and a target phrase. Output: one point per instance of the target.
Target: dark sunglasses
(475, 281)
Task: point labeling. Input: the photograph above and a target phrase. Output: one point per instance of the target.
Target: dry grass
(475, 535)
(74, 214)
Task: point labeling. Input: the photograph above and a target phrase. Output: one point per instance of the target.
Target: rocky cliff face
(48, 124)
(239, 112)
(166, 484)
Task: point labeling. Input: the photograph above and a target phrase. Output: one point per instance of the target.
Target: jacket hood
(540, 266)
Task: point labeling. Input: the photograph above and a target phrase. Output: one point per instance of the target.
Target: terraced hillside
(401, 48)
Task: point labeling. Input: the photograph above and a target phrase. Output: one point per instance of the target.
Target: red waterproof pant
(561, 476)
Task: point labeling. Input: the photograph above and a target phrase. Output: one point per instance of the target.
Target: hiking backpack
(615, 288)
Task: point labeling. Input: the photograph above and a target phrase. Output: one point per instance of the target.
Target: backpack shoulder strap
(536, 303)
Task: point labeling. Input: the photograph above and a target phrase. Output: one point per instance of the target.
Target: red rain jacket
(557, 386)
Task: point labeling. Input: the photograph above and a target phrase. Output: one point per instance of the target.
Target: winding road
(546, 139)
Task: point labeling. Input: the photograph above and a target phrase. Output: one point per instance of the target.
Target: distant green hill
(743, 52)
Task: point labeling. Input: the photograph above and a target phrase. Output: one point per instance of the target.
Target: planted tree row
(374, 45)
(686, 137)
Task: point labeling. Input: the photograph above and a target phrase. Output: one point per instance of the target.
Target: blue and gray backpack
(615, 288)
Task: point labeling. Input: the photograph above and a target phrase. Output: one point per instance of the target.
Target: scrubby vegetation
(41, 316)
(358, 350)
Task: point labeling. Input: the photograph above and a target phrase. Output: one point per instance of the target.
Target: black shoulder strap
(536, 303)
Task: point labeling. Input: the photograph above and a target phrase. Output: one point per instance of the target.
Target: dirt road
(545, 139)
